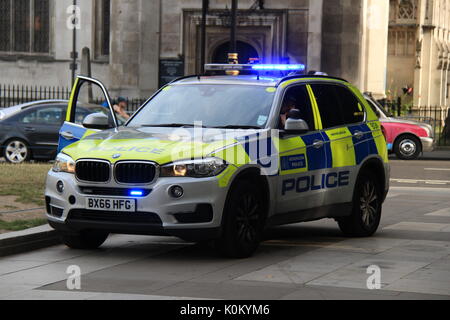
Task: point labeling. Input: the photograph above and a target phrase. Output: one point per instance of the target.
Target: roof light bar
(255, 67)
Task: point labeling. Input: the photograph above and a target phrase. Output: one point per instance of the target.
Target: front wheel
(367, 204)
(243, 221)
(408, 148)
(16, 151)
(86, 240)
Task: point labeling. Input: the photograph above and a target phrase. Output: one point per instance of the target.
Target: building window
(103, 20)
(25, 26)
(402, 42)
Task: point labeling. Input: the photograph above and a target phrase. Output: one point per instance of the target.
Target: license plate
(106, 204)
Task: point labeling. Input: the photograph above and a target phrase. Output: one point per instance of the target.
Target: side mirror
(97, 121)
(296, 126)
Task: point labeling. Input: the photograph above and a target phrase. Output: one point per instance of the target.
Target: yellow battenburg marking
(167, 88)
(286, 83)
(271, 89)
(72, 98)
(234, 154)
(293, 147)
(315, 107)
(342, 148)
(225, 177)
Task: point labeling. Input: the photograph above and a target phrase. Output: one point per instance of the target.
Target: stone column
(341, 39)
(134, 47)
(375, 17)
(315, 35)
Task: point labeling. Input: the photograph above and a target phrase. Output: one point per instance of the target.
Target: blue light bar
(278, 67)
(136, 193)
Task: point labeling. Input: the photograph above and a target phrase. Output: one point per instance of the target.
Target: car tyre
(16, 151)
(243, 221)
(367, 206)
(85, 240)
(408, 148)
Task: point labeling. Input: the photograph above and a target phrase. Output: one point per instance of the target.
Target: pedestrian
(120, 108)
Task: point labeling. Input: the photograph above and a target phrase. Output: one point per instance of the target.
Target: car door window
(351, 109)
(90, 99)
(43, 116)
(329, 107)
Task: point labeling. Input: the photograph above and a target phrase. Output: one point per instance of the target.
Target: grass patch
(25, 181)
(21, 224)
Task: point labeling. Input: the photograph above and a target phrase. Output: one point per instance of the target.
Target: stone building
(419, 50)
(137, 45)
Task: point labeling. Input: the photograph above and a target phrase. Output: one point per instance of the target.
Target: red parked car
(406, 138)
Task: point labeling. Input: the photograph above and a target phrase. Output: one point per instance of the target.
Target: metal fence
(11, 95)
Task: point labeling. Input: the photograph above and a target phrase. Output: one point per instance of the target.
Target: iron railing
(11, 95)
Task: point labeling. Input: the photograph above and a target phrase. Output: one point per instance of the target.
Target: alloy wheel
(16, 151)
(247, 218)
(369, 204)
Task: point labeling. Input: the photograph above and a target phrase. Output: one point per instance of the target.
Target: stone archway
(244, 49)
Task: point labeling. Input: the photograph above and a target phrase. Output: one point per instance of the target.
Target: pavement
(302, 261)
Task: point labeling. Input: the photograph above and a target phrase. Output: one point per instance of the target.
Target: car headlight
(64, 163)
(200, 168)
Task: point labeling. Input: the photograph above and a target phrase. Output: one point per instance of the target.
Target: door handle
(358, 135)
(318, 144)
(67, 135)
(30, 129)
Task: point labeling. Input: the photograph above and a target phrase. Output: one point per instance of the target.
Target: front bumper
(428, 144)
(196, 215)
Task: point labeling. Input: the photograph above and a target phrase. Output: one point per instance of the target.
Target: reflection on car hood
(161, 145)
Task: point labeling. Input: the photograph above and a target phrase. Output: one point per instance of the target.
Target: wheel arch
(253, 174)
(376, 166)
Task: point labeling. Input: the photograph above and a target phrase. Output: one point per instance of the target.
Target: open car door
(88, 96)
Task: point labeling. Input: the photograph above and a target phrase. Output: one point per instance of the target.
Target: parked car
(406, 138)
(31, 131)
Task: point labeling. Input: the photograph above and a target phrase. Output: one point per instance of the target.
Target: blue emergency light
(279, 67)
(255, 67)
(136, 193)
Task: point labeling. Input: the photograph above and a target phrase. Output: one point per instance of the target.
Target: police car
(220, 158)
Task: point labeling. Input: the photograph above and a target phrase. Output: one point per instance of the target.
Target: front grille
(135, 172)
(92, 171)
(107, 216)
(119, 192)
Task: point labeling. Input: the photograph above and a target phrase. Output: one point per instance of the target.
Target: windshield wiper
(172, 125)
(238, 127)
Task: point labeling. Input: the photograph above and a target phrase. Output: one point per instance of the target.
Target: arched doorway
(245, 50)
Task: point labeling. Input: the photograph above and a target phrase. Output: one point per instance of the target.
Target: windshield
(374, 104)
(214, 106)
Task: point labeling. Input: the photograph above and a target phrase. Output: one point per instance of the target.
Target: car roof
(266, 81)
(7, 112)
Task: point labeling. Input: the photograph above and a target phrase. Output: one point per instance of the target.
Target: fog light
(60, 186)
(176, 191)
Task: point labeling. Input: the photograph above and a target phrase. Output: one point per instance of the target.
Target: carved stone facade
(419, 50)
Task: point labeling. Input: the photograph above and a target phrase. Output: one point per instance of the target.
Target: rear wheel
(367, 204)
(408, 148)
(87, 240)
(16, 151)
(243, 221)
